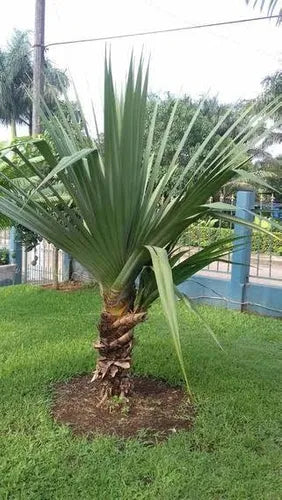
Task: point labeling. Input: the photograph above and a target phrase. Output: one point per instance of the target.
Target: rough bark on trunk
(115, 348)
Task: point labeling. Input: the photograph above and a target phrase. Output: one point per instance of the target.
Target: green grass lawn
(232, 453)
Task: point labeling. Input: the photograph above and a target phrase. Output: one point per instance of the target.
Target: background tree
(15, 77)
(16, 107)
(16, 80)
(211, 111)
(266, 164)
(261, 161)
(272, 89)
(18, 175)
(268, 6)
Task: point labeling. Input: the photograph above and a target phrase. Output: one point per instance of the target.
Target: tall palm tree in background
(15, 82)
(15, 76)
(115, 221)
(266, 161)
(268, 165)
(268, 5)
(272, 88)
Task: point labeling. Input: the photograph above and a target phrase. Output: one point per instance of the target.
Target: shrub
(4, 256)
(200, 236)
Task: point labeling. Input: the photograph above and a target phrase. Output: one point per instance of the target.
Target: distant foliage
(209, 116)
(16, 80)
(200, 236)
(28, 238)
(4, 256)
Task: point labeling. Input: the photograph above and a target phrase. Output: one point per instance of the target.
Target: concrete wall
(7, 274)
(79, 273)
(261, 298)
(206, 290)
(264, 299)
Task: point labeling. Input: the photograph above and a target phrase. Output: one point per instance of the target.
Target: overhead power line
(156, 32)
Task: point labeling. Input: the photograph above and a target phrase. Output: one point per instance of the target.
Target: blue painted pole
(66, 266)
(12, 255)
(241, 270)
(16, 254)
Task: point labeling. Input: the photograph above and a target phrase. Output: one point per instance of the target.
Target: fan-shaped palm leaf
(114, 219)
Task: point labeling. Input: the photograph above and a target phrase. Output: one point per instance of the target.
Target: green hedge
(201, 236)
(4, 256)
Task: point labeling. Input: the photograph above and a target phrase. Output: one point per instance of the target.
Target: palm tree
(269, 6)
(15, 76)
(265, 165)
(115, 221)
(15, 82)
(269, 168)
(263, 175)
(272, 88)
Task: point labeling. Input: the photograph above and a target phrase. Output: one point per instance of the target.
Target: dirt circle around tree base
(155, 410)
(65, 286)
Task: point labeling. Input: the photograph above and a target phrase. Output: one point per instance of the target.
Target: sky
(229, 61)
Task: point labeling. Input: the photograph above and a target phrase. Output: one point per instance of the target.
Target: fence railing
(266, 259)
(38, 266)
(266, 251)
(240, 291)
(207, 231)
(41, 265)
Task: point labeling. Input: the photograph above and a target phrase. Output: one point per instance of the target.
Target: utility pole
(38, 64)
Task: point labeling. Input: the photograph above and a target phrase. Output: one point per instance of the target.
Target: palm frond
(269, 5)
(106, 207)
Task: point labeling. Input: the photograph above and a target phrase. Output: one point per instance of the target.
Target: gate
(42, 265)
(266, 258)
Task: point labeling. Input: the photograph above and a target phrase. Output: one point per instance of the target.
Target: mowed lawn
(232, 453)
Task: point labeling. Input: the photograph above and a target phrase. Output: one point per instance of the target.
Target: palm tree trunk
(115, 350)
(13, 129)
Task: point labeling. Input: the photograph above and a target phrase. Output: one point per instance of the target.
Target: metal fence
(42, 265)
(266, 257)
(266, 254)
(39, 265)
(207, 231)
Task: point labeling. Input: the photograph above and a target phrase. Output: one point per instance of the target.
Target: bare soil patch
(66, 286)
(154, 411)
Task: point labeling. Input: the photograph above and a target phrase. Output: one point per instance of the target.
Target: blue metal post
(12, 256)
(66, 266)
(242, 257)
(16, 254)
